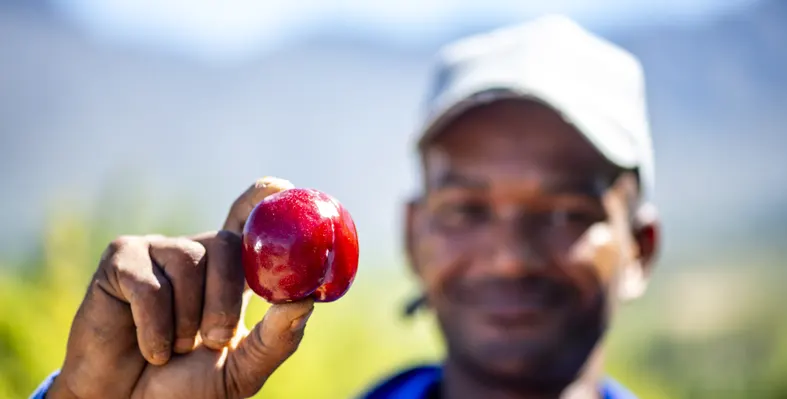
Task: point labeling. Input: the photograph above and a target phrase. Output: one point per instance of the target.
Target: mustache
(543, 290)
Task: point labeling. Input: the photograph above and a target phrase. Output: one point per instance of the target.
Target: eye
(462, 214)
(573, 217)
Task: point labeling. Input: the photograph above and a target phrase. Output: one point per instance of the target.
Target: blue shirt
(415, 383)
(423, 383)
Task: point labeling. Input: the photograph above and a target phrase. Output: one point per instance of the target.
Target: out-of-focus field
(705, 334)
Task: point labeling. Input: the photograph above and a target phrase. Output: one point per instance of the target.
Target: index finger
(243, 206)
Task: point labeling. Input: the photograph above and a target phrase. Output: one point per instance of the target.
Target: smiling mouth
(526, 302)
(516, 313)
(520, 310)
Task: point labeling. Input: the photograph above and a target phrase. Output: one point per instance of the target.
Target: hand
(162, 318)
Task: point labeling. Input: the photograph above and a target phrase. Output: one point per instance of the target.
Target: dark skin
(163, 318)
(525, 242)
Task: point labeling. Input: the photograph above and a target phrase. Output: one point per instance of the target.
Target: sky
(233, 30)
(86, 110)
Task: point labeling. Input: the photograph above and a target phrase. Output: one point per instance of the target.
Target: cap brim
(611, 140)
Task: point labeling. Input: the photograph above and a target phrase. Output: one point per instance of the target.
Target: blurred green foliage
(659, 347)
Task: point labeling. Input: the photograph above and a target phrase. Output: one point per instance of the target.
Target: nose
(515, 251)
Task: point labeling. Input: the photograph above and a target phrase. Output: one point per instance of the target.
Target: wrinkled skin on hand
(162, 318)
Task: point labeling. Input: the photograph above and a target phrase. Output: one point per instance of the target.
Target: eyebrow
(555, 186)
(587, 187)
(451, 179)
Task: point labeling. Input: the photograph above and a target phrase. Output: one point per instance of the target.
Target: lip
(519, 315)
(515, 313)
(520, 304)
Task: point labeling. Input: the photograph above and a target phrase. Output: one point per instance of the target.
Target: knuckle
(260, 350)
(118, 248)
(185, 252)
(145, 287)
(191, 252)
(114, 263)
(119, 262)
(123, 241)
(112, 248)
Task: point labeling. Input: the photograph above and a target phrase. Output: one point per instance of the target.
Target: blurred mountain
(734, 68)
(337, 113)
(718, 97)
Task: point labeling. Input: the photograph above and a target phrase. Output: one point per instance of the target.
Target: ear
(647, 235)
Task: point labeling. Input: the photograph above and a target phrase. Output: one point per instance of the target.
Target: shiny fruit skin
(341, 271)
(300, 243)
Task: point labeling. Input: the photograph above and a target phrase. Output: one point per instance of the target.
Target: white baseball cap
(595, 85)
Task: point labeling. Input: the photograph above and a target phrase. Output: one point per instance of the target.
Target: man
(533, 224)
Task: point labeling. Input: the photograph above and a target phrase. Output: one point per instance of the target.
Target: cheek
(599, 249)
(440, 260)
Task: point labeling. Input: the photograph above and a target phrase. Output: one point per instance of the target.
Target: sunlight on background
(123, 117)
(234, 30)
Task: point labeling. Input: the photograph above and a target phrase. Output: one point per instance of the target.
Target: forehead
(513, 140)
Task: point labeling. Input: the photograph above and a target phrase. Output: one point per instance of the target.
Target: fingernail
(300, 323)
(220, 335)
(161, 357)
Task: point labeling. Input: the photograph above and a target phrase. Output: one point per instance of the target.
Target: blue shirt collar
(418, 382)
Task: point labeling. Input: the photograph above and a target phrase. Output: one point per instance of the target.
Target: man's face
(524, 241)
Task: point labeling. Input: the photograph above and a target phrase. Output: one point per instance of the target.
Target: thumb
(266, 347)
